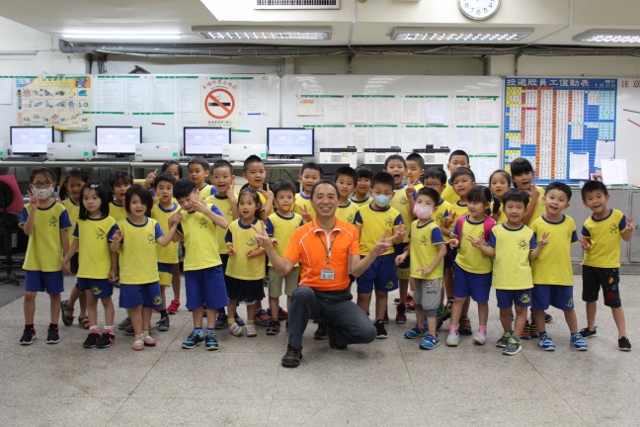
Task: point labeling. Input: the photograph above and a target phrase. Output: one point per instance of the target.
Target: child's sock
(53, 325)
(211, 331)
(163, 313)
(464, 316)
(453, 330)
(250, 321)
(482, 330)
(28, 326)
(108, 328)
(231, 320)
(197, 331)
(145, 333)
(94, 328)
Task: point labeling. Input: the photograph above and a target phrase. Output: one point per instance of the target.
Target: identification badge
(327, 275)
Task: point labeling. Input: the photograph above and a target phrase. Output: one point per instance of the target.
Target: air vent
(297, 4)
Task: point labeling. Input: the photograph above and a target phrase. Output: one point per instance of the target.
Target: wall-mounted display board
(563, 126)
(461, 112)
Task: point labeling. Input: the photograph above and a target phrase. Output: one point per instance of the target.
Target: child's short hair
(561, 187)
(45, 171)
(251, 159)
(383, 178)
(520, 166)
(346, 171)
(199, 161)
(119, 178)
(503, 173)
(222, 164)
(142, 193)
(431, 193)
(313, 166)
(515, 195)
(436, 173)
(282, 185)
(183, 188)
(364, 172)
(459, 153)
(394, 157)
(101, 192)
(168, 163)
(479, 194)
(416, 157)
(462, 171)
(591, 186)
(165, 176)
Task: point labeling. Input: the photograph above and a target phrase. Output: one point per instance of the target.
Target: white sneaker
(236, 329)
(452, 340)
(479, 337)
(251, 330)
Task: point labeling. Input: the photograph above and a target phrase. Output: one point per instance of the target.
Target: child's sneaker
(452, 340)
(320, 333)
(273, 328)
(210, 341)
(545, 342)
(624, 344)
(261, 318)
(586, 333)
(381, 332)
(548, 318)
(464, 326)
(138, 343)
(53, 336)
(430, 342)
(106, 340)
(193, 341)
(533, 330)
(479, 338)
(251, 329)
(239, 320)
(173, 307)
(28, 335)
(282, 313)
(92, 339)
(236, 329)
(148, 341)
(414, 333)
(526, 332)
(163, 323)
(410, 305)
(221, 320)
(125, 323)
(129, 331)
(443, 313)
(401, 317)
(514, 346)
(504, 339)
(577, 342)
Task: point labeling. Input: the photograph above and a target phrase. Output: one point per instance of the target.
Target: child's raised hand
(409, 188)
(447, 221)
(586, 245)
(476, 243)
(200, 206)
(544, 240)
(33, 202)
(231, 251)
(629, 227)
(400, 231)
(533, 191)
(267, 193)
(496, 216)
(305, 214)
(424, 270)
(176, 218)
(150, 178)
(117, 236)
(453, 243)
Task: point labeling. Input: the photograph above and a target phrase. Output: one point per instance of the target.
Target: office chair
(11, 201)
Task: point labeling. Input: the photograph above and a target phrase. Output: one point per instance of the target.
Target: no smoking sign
(219, 103)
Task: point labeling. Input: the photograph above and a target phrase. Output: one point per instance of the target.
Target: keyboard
(281, 161)
(211, 160)
(24, 159)
(111, 159)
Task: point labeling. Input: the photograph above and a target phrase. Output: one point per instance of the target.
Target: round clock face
(478, 9)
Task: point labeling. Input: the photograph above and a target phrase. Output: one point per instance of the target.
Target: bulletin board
(564, 126)
(461, 112)
(163, 105)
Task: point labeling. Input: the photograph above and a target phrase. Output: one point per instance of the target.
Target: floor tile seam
(406, 365)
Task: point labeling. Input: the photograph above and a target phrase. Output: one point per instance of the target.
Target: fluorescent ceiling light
(264, 33)
(460, 34)
(120, 36)
(608, 36)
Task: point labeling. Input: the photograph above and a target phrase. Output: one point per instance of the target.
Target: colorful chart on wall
(58, 101)
(561, 125)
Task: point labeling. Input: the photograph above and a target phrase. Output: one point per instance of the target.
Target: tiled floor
(388, 382)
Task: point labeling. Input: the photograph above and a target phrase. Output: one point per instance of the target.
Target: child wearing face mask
(45, 222)
(427, 248)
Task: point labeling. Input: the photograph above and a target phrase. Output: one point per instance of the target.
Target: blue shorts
(560, 297)
(381, 274)
(205, 286)
(477, 286)
(132, 296)
(165, 272)
(450, 257)
(100, 288)
(506, 298)
(40, 281)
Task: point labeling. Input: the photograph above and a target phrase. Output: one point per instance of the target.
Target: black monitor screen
(30, 139)
(204, 141)
(118, 139)
(290, 141)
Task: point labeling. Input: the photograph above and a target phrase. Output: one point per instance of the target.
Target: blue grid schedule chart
(553, 122)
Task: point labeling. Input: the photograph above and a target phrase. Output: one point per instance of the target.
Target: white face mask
(422, 211)
(42, 193)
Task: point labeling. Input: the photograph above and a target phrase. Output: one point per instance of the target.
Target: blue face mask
(382, 200)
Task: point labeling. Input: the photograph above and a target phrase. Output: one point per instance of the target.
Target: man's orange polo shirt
(307, 247)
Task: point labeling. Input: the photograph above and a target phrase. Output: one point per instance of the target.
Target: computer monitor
(118, 140)
(290, 142)
(30, 139)
(205, 141)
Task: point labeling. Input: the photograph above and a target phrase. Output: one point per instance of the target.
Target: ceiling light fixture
(264, 33)
(448, 35)
(608, 36)
(121, 36)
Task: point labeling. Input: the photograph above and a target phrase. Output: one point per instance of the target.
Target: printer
(434, 156)
(70, 150)
(240, 152)
(157, 152)
(346, 155)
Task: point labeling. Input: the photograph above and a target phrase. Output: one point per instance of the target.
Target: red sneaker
(173, 307)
